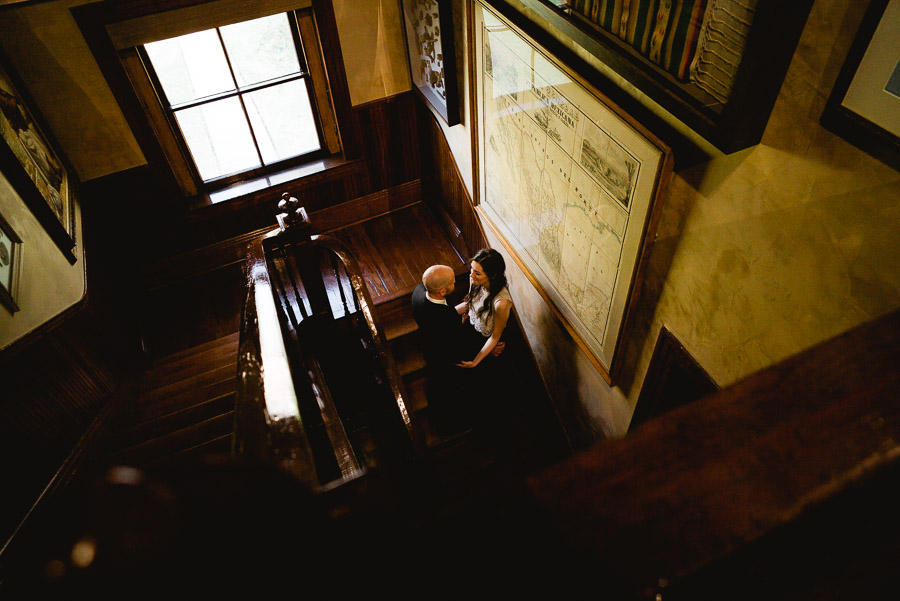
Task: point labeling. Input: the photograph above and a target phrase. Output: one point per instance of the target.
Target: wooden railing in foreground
(780, 486)
(319, 392)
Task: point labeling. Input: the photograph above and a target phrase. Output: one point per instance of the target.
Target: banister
(269, 424)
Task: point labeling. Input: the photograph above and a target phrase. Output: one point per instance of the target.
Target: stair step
(395, 309)
(195, 454)
(206, 378)
(147, 411)
(145, 452)
(415, 388)
(170, 372)
(169, 422)
(233, 338)
(409, 364)
(396, 329)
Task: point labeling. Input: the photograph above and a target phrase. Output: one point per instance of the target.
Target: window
(240, 96)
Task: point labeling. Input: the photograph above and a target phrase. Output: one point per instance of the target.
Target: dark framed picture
(864, 106)
(431, 54)
(33, 166)
(10, 266)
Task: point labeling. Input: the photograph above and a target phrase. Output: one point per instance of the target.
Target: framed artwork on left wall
(10, 266)
(31, 163)
(432, 58)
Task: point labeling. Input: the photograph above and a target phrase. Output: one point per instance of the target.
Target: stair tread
(172, 421)
(198, 380)
(233, 338)
(217, 446)
(147, 411)
(409, 364)
(214, 357)
(400, 328)
(171, 442)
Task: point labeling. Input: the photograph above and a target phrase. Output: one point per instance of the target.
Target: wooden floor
(395, 249)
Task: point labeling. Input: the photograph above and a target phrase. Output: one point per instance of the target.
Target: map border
(649, 191)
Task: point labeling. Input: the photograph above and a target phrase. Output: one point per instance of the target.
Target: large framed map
(571, 186)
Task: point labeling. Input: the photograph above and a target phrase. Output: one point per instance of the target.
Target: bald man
(440, 326)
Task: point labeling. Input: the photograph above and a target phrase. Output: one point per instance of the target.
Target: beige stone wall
(48, 283)
(51, 56)
(760, 254)
(372, 42)
(769, 251)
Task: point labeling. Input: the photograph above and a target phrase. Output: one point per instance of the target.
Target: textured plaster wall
(372, 42)
(51, 56)
(769, 251)
(760, 254)
(48, 284)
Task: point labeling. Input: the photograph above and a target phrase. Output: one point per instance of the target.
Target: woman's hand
(467, 364)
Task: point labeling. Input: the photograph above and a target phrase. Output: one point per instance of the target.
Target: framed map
(570, 185)
(432, 59)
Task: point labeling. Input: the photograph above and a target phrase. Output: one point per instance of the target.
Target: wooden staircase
(183, 410)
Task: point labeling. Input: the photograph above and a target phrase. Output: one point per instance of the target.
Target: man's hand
(498, 349)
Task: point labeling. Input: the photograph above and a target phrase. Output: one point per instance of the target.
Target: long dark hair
(494, 268)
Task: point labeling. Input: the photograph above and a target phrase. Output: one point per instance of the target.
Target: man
(440, 326)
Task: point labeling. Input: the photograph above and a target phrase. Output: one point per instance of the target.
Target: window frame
(262, 169)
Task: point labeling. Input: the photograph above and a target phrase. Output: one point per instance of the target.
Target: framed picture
(30, 162)
(10, 266)
(570, 184)
(432, 57)
(864, 106)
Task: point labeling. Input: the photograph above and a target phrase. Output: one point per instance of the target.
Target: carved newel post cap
(290, 213)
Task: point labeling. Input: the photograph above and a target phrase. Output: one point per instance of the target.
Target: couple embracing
(461, 344)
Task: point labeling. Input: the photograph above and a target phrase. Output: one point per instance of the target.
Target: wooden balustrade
(320, 393)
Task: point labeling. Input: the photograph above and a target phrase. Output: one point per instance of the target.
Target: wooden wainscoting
(53, 387)
(444, 187)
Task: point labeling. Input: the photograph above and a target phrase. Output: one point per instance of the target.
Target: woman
(488, 303)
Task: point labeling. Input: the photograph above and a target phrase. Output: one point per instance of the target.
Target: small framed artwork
(864, 106)
(10, 266)
(30, 162)
(432, 57)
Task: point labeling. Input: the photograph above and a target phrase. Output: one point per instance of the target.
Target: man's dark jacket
(441, 332)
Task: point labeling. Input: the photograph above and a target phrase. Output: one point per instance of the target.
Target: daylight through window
(239, 94)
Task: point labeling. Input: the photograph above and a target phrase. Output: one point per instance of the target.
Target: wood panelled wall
(53, 383)
(444, 188)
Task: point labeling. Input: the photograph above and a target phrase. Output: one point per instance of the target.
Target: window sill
(248, 191)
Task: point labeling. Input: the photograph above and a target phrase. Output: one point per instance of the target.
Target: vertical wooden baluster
(289, 268)
(282, 295)
(340, 281)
